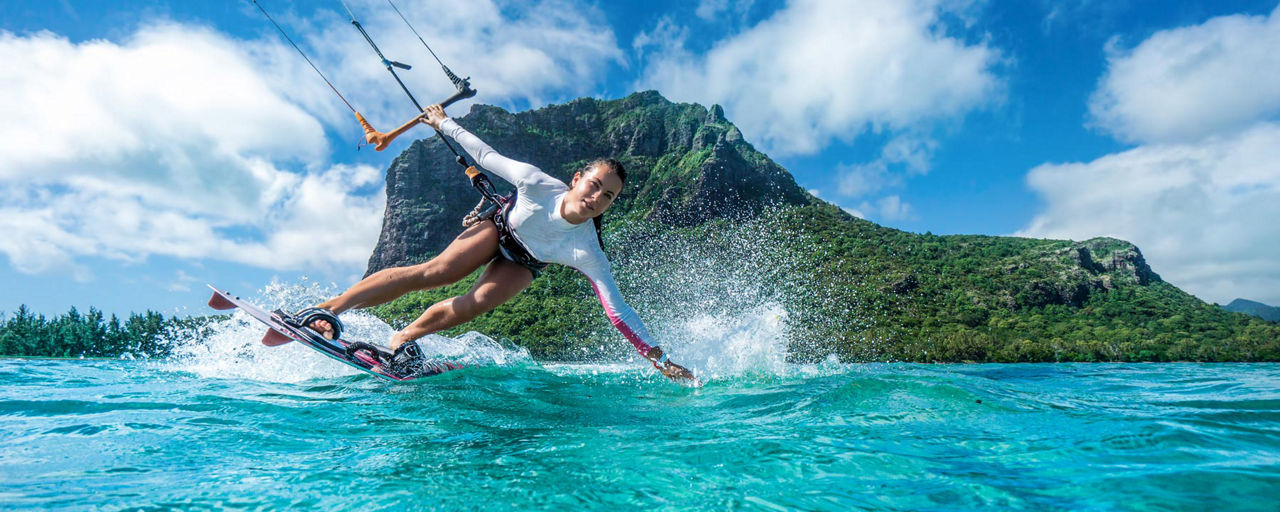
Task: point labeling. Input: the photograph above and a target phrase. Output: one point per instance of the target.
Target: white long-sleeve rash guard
(537, 223)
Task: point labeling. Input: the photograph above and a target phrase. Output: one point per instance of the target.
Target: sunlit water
(115, 434)
(230, 424)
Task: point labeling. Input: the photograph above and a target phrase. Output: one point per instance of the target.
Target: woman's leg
(475, 246)
(501, 281)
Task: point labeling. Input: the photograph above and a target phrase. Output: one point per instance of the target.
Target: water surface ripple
(115, 435)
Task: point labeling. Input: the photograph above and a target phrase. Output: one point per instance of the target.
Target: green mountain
(1258, 309)
(710, 231)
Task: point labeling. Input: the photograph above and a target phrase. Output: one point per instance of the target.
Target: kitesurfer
(548, 221)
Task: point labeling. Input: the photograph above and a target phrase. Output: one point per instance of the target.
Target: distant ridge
(1258, 309)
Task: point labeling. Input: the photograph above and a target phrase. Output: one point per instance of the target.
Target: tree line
(90, 334)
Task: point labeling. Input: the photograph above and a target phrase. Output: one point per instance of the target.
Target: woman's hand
(432, 116)
(671, 370)
(678, 373)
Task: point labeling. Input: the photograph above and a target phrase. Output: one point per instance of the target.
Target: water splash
(230, 347)
(751, 342)
(725, 298)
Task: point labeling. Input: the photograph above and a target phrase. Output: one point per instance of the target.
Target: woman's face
(591, 193)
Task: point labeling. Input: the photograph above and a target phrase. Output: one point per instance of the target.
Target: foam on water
(720, 346)
(718, 302)
(231, 347)
(716, 346)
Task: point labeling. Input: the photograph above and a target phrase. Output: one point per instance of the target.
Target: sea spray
(727, 300)
(730, 297)
(229, 346)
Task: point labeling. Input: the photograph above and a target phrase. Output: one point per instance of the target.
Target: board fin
(274, 338)
(217, 301)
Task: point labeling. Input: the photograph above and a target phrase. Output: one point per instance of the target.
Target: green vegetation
(863, 292)
(1005, 299)
(687, 237)
(86, 335)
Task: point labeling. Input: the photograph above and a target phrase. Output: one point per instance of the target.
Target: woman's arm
(516, 172)
(627, 321)
(623, 318)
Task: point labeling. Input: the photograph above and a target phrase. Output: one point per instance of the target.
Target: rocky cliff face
(1092, 266)
(686, 164)
(427, 197)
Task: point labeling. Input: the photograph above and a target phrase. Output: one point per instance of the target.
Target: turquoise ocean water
(120, 434)
(227, 423)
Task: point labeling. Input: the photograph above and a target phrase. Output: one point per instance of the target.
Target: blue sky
(149, 146)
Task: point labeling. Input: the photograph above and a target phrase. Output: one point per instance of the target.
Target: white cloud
(181, 141)
(824, 70)
(888, 208)
(164, 145)
(893, 208)
(1187, 83)
(181, 282)
(1096, 18)
(515, 52)
(665, 37)
(904, 156)
(1203, 213)
(76, 108)
(711, 10)
(913, 152)
(864, 179)
(708, 9)
(1199, 195)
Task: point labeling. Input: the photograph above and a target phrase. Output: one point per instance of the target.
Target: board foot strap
(377, 353)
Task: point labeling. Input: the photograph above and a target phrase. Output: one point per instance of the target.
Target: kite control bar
(381, 140)
(464, 91)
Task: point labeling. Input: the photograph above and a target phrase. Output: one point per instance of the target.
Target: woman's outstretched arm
(628, 322)
(514, 171)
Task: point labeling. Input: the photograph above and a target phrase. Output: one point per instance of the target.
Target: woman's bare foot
(322, 320)
(397, 339)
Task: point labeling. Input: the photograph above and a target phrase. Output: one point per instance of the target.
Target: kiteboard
(282, 329)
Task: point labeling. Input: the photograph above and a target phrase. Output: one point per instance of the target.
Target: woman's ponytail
(599, 230)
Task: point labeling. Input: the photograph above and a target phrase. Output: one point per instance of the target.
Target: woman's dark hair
(615, 167)
(612, 165)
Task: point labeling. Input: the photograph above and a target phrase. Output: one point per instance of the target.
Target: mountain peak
(716, 115)
(1254, 308)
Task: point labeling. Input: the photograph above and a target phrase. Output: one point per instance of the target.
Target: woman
(548, 222)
